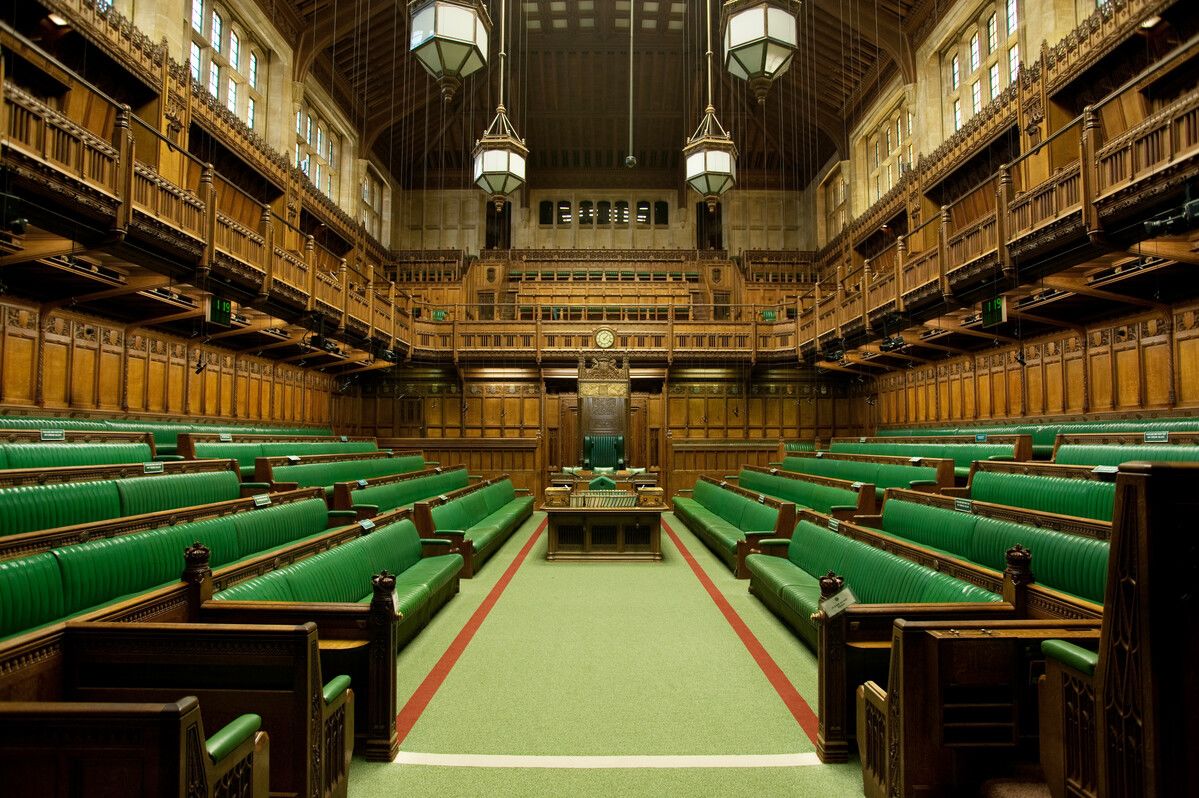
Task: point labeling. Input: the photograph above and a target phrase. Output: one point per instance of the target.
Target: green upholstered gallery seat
(324, 474)
(166, 433)
(813, 495)
(54, 455)
(881, 475)
(245, 453)
(1085, 498)
(962, 454)
(406, 492)
(1044, 436)
(1088, 454)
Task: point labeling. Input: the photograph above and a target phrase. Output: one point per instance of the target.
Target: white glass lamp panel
(430, 57)
(516, 165)
(777, 59)
(719, 161)
(455, 22)
(480, 34)
(752, 56)
(453, 56)
(781, 26)
(695, 164)
(473, 62)
(422, 26)
(478, 166)
(747, 25)
(495, 160)
(734, 65)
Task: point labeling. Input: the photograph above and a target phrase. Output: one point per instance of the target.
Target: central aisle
(602, 660)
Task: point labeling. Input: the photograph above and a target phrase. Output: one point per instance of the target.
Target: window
(545, 213)
(974, 54)
(661, 214)
(886, 149)
(1013, 63)
(969, 43)
(586, 213)
(315, 153)
(956, 73)
(604, 214)
(992, 35)
(215, 61)
(1013, 19)
(957, 115)
(994, 77)
(621, 218)
(976, 96)
(643, 213)
(194, 61)
(564, 212)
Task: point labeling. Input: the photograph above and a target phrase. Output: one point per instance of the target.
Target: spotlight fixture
(1020, 357)
(200, 364)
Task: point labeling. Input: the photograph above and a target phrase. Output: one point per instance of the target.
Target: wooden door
(568, 431)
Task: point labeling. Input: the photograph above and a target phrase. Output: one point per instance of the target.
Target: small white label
(54, 435)
(293, 458)
(395, 603)
(443, 497)
(153, 468)
(837, 604)
(362, 483)
(819, 455)
(1105, 469)
(862, 439)
(262, 500)
(980, 437)
(963, 505)
(344, 438)
(226, 437)
(761, 498)
(366, 524)
(834, 524)
(915, 460)
(1157, 436)
(857, 485)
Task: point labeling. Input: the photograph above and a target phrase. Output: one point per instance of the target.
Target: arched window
(586, 213)
(318, 147)
(225, 60)
(604, 215)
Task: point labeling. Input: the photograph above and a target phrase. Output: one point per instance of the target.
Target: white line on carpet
(600, 762)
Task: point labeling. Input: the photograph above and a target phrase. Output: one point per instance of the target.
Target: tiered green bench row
(1115, 454)
(368, 498)
(27, 508)
(343, 575)
(246, 453)
(1044, 435)
(843, 498)
(484, 515)
(166, 433)
(1074, 564)
(58, 454)
(69, 581)
(790, 585)
(893, 472)
(962, 454)
(324, 471)
(1051, 488)
(723, 516)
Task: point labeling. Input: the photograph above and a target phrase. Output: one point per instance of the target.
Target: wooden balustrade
(975, 240)
(1139, 154)
(1046, 202)
(45, 135)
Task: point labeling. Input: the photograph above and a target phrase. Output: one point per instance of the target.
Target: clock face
(605, 338)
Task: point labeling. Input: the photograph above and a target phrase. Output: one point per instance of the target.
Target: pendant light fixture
(710, 154)
(760, 37)
(449, 38)
(500, 154)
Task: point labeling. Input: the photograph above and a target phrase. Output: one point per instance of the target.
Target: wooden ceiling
(568, 88)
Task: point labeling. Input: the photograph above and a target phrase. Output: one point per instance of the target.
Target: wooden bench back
(14, 477)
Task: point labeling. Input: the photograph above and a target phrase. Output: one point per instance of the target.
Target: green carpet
(604, 659)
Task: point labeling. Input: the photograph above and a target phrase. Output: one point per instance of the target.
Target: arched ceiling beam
(319, 35)
(866, 21)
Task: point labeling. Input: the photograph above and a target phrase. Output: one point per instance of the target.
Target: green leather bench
(246, 453)
(839, 497)
(343, 575)
(881, 471)
(55, 455)
(69, 581)
(1097, 454)
(324, 471)
(1044, 435)
(27, 508)
(369, 498)
(724, 516)
(1073, 564)
(483, 515)
(799, 446)
(1062, 490)
(962, 454)
(790, 585)
(165, 433)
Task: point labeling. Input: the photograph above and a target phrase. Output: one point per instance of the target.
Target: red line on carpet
(420, 699)
(774, 674)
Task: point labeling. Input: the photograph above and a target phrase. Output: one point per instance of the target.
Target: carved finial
(831, 585)
(383, 585)
(196, 563)
(1019, 565)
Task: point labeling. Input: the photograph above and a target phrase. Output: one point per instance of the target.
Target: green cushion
(433, 572)
(27, 508)
(394, 548)
(269, 527)
(1084, 498)
(938, 528)
(1070, 563)
(1071, 655)
(53, 455)
(759, 517)
(226, 740)
(451, 515)
(151, 494)
(1086, 454)
(342, 574)
(31, 593)
(271, 586)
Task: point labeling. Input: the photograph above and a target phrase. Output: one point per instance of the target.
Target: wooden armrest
(228, 739)
(872, 521)
(684, 490)
(335, 688)
(957, 493)
(522, 491)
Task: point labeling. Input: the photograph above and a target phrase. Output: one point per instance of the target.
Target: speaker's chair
(603, 451)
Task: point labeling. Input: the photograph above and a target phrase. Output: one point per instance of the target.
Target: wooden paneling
(1142, 362)
(68, 362)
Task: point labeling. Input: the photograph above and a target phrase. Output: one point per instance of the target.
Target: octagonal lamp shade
(760, 37)
(449, 38)
(500, 159)
(710, 159)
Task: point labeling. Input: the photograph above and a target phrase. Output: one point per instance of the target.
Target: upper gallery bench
(839, 497)
(1112, 449)
(151, 750)
(963, 449)
(83, 494)
(882, 471)
(1044, 435)
(724, 516)
(369, 497)
(325, 470)
(366, 596)
(1082, 491)
(484, 515)
(248, 448)
(44, 449)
